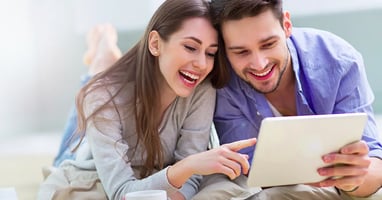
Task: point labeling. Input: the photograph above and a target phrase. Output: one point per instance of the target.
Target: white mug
(147, 195)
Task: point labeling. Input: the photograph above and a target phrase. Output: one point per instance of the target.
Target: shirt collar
(295, 64)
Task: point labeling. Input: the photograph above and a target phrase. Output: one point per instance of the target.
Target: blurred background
(42, 44)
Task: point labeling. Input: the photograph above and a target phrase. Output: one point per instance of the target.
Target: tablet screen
(289, 149)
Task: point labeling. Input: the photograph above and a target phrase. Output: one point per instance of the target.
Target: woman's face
(187, 57)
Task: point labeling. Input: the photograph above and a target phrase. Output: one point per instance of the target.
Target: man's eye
(269, 45)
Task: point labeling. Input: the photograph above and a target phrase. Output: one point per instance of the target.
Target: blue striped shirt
(330, 78)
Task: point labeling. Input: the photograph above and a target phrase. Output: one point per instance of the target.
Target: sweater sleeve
(108, 151)
(195, 131)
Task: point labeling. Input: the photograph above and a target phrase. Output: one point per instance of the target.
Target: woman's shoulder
(103, 93)
(203, 92)
(205, 86)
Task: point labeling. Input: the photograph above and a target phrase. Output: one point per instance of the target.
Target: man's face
(256, 48)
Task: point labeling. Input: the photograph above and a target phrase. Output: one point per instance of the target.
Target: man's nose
(258, 61)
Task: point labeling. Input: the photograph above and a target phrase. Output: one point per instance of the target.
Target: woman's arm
(109, 152)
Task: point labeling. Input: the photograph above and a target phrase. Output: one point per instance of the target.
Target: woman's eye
(211, 54)
(241, 52)
(190, 48)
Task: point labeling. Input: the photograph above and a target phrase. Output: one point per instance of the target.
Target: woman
(148, 117)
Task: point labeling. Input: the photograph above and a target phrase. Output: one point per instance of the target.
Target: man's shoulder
(322, 47)
(313, 32)
(318, 39)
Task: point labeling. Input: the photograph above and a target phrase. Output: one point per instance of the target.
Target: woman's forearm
(179, 173)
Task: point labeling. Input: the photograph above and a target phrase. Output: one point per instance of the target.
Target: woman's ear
(154, 40)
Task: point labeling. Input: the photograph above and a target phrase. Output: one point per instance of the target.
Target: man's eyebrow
(261, 41)
(269, 38)
(199, 41)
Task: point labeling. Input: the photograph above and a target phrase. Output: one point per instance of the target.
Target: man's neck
(284, 97)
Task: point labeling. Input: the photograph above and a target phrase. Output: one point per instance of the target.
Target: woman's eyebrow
(199, 41)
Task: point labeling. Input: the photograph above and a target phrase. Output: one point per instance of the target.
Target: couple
(148, 117)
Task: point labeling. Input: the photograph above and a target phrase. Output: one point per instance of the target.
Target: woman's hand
(224, 159)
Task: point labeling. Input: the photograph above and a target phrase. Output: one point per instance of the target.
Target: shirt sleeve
(355, 95)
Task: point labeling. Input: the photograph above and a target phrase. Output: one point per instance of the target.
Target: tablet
(289, 149)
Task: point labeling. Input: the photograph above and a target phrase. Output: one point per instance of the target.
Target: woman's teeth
(189, 76)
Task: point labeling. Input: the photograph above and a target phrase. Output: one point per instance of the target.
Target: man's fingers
(359, 147)
(351, 159)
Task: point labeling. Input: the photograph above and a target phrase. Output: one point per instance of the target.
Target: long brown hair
(140, 67)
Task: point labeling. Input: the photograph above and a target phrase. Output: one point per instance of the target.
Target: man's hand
(352, 170)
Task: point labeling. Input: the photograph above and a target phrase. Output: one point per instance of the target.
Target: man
(277, 71)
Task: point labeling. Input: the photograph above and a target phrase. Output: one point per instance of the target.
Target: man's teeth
(188, 74)
(264, 73)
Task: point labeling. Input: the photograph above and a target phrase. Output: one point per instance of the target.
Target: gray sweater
(184, 130)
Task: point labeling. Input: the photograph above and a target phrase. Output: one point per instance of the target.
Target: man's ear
(154, 43)
(287, 24)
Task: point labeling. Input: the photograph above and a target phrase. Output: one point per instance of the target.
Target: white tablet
(289, 149)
